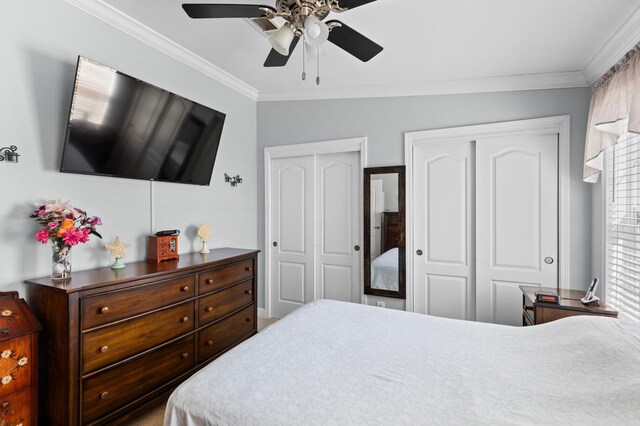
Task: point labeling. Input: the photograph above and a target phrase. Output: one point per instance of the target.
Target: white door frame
(358, 144)
(559, 124)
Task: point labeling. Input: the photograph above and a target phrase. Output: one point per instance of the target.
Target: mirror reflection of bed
(384, 221)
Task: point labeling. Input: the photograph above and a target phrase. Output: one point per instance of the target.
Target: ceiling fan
(304, 19)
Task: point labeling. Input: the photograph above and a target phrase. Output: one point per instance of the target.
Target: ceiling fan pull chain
(304, 60)
(318, 65)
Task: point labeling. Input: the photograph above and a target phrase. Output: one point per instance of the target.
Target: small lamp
(315, 31)
(281, 39)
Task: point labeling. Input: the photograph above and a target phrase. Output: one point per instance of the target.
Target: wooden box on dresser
(114, 341)
(18, 362)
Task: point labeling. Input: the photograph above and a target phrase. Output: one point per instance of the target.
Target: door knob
(419, 252)
(275, 244)
(548, 260)
(357, 248)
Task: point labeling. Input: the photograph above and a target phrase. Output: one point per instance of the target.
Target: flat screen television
(123, 127)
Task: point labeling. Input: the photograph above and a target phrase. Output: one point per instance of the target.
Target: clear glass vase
(60, 261)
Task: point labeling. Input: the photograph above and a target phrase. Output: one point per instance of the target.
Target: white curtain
(614, 111)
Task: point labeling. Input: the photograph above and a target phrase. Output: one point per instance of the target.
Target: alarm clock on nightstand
(163, 247)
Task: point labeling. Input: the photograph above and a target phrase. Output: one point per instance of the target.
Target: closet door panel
(337, 205)
(443, 229)
(517, 221)
(292, 218)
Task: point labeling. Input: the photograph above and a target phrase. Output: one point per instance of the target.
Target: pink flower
(95, 221)
(75, 236)
(52, 225)
(43, 236)
(85, 235)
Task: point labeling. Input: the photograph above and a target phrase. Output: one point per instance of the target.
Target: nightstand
(534, 313)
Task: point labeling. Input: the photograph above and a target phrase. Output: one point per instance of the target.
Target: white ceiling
(430, 46)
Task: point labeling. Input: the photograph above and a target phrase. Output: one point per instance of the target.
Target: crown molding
(480, 85)
(136, 29)
(623, 40)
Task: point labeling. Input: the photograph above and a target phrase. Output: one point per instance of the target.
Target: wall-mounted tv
(123, 127)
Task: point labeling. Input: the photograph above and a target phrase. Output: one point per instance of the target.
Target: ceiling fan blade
(277, 60)
(351, 4)
(353, 42)
(199, 10)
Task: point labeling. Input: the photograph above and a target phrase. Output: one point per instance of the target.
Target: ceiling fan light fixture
(316, 32)
(281, 39)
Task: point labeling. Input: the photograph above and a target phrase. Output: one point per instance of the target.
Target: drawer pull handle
(209, 281)
(247, 268)
(247, 319)
(185, 288)
(528, 308)
(5, 404)
(210, 343)
(104, 395)
(248, 292)
(104, 310)
(185, 319)
(185, 355)
(209, 308)
(104, 348)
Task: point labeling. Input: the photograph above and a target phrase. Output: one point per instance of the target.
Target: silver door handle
(376, 227)
(548, 260)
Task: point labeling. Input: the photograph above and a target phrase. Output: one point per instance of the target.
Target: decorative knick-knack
(204, 232)
(117, 252)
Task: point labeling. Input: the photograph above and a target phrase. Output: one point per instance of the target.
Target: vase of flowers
(65, 226)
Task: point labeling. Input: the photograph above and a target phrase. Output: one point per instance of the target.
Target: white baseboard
(262, 313)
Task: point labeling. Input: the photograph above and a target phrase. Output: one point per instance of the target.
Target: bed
(384, 271)
(337, 363)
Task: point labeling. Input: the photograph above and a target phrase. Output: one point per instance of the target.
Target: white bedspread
(384, 271)
(333, 363)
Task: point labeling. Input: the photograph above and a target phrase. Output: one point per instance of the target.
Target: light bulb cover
(281, 39)
(316, 32)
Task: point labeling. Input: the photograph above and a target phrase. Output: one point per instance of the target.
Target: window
(623, 227)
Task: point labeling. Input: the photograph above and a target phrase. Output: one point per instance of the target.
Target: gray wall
(384, 120)
(40, 43)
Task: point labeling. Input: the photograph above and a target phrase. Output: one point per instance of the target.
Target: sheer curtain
(614, 111)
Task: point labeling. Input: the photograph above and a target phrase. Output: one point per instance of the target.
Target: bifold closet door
(516, 222)
(315, 227)
(292, 229)
(444, 229)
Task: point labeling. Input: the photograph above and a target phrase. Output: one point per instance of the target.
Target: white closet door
(443, 229)
(338, 217)
(517, 222)
(292, 230)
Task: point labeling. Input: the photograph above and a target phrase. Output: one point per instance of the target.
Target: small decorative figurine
(204, 232)
(117, 252)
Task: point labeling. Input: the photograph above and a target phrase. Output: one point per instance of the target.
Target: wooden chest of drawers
(18, 366)
(117, 340)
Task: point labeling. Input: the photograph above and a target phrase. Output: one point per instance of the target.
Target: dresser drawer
(110, 390)
(16, 408)
(119, 341)
(222, 277)
(217, 305)
(104, 308)
(15, 364)
(219, 336)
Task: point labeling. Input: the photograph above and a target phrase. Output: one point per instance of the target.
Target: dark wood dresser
(390, 230)
(115, 341)
(18, 362)
(534, 313)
